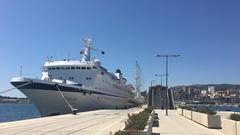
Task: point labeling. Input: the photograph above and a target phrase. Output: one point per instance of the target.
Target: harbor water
(231, 108)
(13, 112)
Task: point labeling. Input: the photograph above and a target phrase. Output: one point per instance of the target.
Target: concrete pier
(99, 122)
(104, 122)
(174, 124)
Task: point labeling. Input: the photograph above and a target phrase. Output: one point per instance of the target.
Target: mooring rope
(69, 105)
(19, 86)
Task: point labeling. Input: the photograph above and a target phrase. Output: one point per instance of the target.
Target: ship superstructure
(79, 85)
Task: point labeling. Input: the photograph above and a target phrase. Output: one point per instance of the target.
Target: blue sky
(204, 32)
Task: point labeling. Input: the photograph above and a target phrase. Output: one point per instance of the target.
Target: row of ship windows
(119, 92)
(62, 68)
(71, 78)
(105, 98)
(113, 85)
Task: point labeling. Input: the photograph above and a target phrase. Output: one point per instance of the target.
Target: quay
(105, 122)
(175, 124)
(98, 122)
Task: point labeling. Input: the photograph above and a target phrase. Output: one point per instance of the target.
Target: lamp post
(161, 75)
(166, 56)
(152, 81)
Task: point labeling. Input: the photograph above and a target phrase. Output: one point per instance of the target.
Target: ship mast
(86, 52)
(138, 80)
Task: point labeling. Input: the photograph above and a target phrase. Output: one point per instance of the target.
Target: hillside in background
(205, 86)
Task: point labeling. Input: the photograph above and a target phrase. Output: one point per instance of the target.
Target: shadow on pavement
(155, 123)
(156, 116)
(155, 133)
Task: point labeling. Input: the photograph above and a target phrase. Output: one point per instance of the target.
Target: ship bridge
(62, 65)
(70, 70)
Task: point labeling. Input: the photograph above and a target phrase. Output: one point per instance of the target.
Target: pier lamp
(161, 75)
(152, 81)
(166, 56)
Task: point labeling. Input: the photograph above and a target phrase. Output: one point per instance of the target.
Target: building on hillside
(211, 89)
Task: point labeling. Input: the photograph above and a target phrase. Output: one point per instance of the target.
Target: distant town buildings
(190, 94)
(204, 92)
(211, 89)
(13, 100)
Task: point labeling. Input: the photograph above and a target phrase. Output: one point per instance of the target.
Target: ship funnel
(118, 71)
(118, 74)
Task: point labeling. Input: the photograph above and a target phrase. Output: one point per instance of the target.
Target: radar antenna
(87, 49)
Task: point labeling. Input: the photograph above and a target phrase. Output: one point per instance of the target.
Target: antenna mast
(86, 52)
(138, 80)
(20, 70)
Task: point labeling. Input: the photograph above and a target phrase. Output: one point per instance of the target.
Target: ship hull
(47, 98)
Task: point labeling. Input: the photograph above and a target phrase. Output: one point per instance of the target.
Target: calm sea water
(225, 108)
(13, 112)
(221, 108)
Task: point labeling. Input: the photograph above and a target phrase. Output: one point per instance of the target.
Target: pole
(161, 75)
(152, 93)
(167, 86)
(21, 70)
(166, 56)
(161, 80)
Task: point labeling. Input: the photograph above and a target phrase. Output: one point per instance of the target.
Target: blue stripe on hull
(53, 87)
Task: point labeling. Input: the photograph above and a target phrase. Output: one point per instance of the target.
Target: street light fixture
(166, 56)
(161, 75)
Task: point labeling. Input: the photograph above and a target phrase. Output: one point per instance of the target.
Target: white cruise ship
(69, 86)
